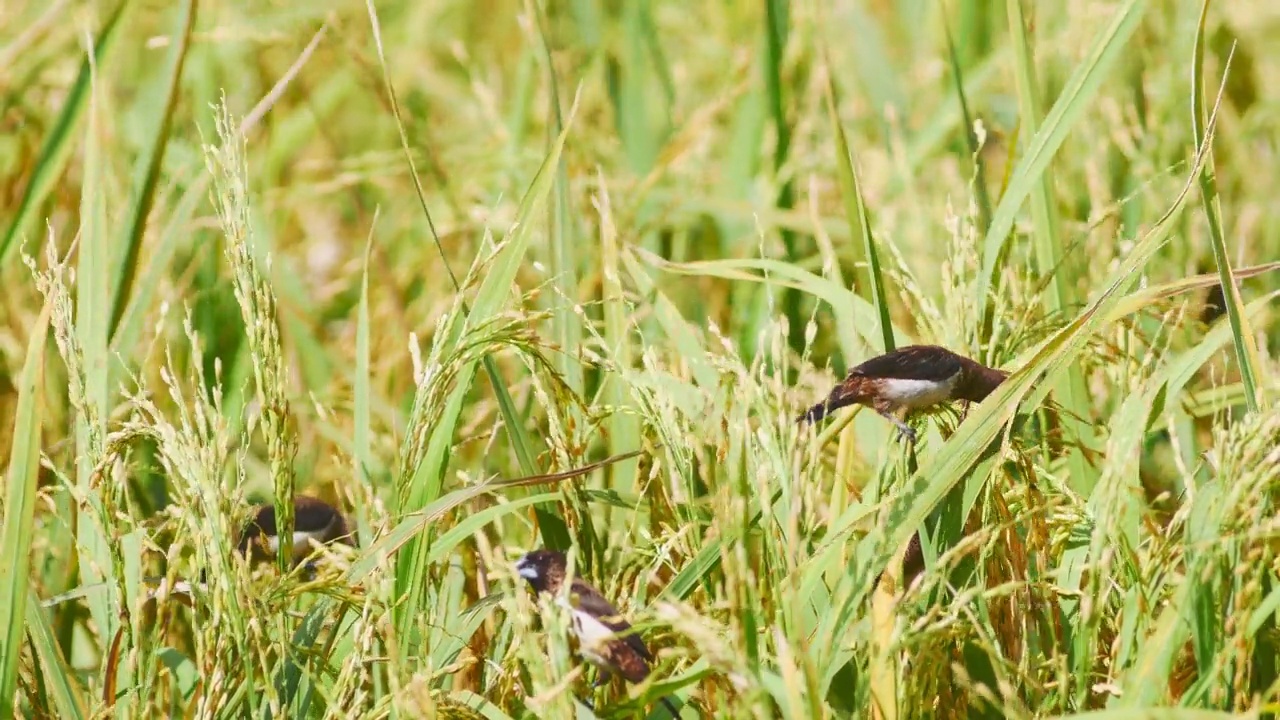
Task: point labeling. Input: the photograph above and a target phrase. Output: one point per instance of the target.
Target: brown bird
(604, 637)
(915, 377)
(912, 561)
(313, 520)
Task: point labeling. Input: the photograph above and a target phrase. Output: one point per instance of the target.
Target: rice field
(493, 276)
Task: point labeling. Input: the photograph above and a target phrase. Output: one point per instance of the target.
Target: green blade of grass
(138, 304)
(360, 441)
(554, 532)
(970, 136)
(565, 254)
(1146, 678)
(636, 115)
(521, 104)
(93, 278)
(669, 319)
(563, 236)
(856, 213)
(490, 298)
(777, 30)
(59, 678)
(1242, 335)
(57, 146)
(151, 162)
(1150, 295)
(19, 510)
(624, 427)
(1046, 240)
(1076, 95)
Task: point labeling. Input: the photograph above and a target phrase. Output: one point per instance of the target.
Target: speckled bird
(911, 378)
(605, 638)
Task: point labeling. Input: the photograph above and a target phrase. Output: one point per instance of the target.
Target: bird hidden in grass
(605, 638)
(911, 378)
(313, 520)
(912, 562)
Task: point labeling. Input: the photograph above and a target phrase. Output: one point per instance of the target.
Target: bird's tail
(912, 562)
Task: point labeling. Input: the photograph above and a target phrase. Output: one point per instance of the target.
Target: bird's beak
(526, 570)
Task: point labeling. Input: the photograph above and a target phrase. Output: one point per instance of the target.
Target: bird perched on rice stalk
(605, 638)
(909, 379)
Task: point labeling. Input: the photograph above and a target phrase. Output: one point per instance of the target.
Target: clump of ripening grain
(52, 284)
(258, 310)
(193, 448)
(1247, 460)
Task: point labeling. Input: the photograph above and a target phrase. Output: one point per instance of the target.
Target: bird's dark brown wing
(914, 362)
(912, 561)
(590, 601)
(314, 516)
(310, 515)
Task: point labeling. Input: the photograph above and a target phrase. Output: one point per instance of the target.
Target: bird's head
(544, 569)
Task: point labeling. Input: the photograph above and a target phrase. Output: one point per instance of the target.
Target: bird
(313, 520)
(914, 377)
(912, 562)
(605, 638)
